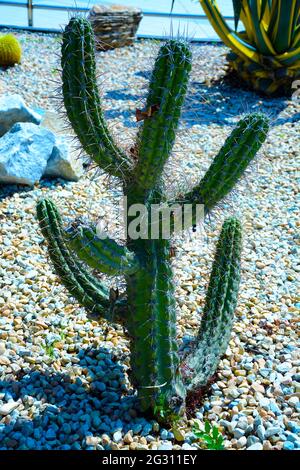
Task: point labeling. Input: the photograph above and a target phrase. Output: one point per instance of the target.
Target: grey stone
(257, 422)
(186, 446)
(260, 432)
(8, 408)
(13, 109)
(24, 152)
(284, 367)
(237, 433)
(165, 446)
(272, 431)
(257, 446)
(242, 441)
(117, 437)
(252, 440)
(63, 162)
(242, 424)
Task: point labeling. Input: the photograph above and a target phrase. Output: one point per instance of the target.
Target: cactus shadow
(223, 105)
(217, 103)
(126, 115)
(121, 95)
(73, 409)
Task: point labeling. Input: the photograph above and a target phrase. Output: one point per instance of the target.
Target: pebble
(260, 431)
(166, 446)
(242, 441)
(256, 446)
(8, 408)
(272, 431)
(288, 445)
(117, 437)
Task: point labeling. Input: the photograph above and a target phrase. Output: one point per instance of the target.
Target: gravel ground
(63, 375)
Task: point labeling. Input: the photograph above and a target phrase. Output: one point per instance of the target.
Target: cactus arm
(230, 164)
(87, 290)
(103, 254)
(82, 100)
(221, 301)
(166, 95)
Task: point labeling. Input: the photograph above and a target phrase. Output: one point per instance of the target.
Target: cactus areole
(149, 311)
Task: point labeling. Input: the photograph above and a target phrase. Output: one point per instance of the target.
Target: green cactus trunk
(152, 327)
(149, 310)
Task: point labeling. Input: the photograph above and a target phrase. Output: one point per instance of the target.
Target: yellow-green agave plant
(266, 54)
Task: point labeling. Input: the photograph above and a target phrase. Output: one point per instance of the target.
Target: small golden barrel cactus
(10, 50)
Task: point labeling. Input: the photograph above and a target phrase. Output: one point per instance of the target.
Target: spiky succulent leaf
(267, 53)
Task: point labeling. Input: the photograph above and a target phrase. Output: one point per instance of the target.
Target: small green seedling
(211, 436)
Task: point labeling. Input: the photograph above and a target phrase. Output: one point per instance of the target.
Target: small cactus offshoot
(148, 310)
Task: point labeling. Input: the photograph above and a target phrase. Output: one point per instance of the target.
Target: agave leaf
(237, 8)
(264, 4)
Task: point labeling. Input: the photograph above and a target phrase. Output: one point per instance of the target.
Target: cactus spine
(150, 313)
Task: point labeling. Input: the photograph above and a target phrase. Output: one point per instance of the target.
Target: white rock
(293, 401)
(7, 408)
(24, 153)
(63, 162)
(241, 442)
(117, 436)
(13, 109)
(256, 446)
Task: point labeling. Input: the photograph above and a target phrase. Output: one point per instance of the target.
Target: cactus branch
(167, 91)
(106, 255)
(82, 100)
(220, 306)
(230, 163)
(90, 292)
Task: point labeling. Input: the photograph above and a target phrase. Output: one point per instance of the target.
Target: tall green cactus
(149, 310)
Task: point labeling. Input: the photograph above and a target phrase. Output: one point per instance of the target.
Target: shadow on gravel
(67, 408)
(222, 104)
(218, 103)
(8, 190)
(121, 95)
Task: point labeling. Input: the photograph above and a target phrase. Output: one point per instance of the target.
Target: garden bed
(63, 374)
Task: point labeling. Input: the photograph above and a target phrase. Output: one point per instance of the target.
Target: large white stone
(13, 109)
(7, 408)
(24, 153)
(64, 162)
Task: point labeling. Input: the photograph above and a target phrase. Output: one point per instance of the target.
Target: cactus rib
(82, 100)
(152, 326)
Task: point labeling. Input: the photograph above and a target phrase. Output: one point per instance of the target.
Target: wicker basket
(114, 26)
